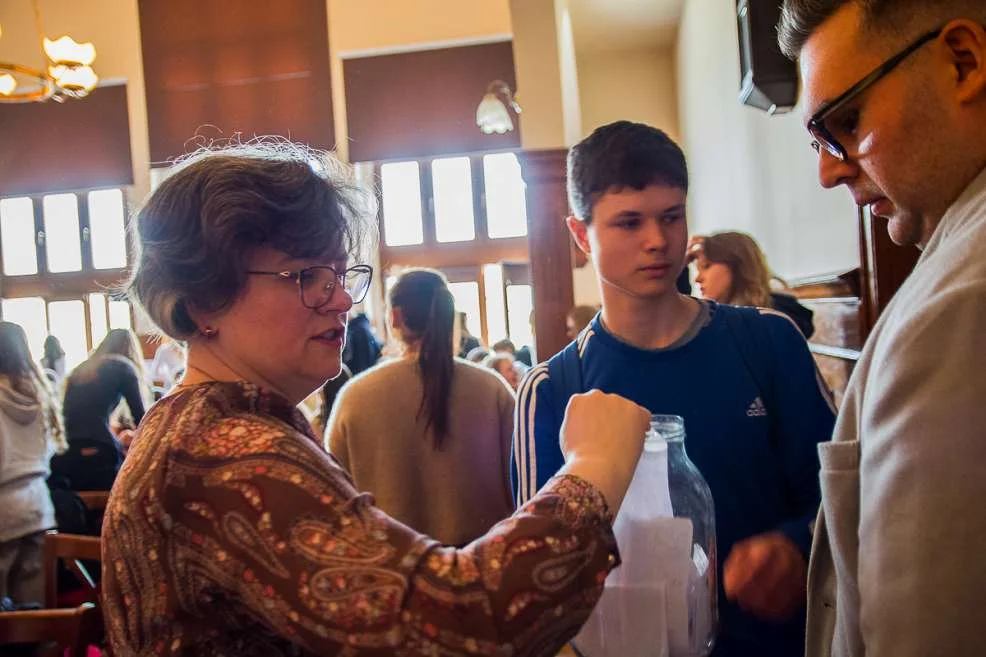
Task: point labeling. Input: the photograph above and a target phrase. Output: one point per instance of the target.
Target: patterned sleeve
(318, 564)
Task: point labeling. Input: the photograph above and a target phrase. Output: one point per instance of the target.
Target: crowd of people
(454, 499)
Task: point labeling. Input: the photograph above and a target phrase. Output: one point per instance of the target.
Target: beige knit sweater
(454, 495)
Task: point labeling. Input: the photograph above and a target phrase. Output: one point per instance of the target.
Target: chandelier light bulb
(74, 79)
(7, 84)
(65, 50)
(492, 116)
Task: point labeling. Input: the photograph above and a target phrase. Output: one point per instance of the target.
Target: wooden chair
(55, 629)
(95, 500)
(72, 549)
(76, 626)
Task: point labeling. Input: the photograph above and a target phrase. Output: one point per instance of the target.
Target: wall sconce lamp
(492, 115)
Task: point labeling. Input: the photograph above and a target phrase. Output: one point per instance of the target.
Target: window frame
(459, 261)
(74, 285)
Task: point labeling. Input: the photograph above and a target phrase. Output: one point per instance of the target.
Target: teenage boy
(743, 380)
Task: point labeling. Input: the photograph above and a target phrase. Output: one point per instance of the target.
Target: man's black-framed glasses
(822, 137)
(317, 284)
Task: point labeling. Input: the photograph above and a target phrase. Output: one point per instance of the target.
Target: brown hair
(747, 264)
(121, 342)
(801, 18)
(195, 233)
(24, 375)
(428, 315)
(581, 316)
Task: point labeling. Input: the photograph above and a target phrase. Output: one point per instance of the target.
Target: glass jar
(661, 601)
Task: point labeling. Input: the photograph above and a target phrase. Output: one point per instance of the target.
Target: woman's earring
(210, 332)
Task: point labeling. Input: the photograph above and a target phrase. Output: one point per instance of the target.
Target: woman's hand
(602, 437)
(695, 245)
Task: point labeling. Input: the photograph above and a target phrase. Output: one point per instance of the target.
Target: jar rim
(666, 428)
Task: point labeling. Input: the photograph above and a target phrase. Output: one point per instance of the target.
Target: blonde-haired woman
(30, 433)
(113, 372)
(731, 268)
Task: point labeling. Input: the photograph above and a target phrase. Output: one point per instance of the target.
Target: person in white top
(30, 433)
(894, 95)
(168, 365)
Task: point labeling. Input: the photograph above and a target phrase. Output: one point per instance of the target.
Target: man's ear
(580, 233)
(966, 47)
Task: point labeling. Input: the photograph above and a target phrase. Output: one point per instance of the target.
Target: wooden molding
(544, 171)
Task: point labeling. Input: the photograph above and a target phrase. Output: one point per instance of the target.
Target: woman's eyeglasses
(317, 284)
(822, 137)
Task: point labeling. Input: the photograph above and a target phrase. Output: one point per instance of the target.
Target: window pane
(506, 201)
(68, 323)
(496, 313)
(61, 222)
(400, 183)
(120, 315)
(30, 313)
(17, 236)
(466, 295)
(451, 180)
(520, 304)
(97, 318)
(108, 234)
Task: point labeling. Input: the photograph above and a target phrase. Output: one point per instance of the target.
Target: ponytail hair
(428, 318)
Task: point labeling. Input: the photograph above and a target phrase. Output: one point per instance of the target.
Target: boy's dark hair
(618, 155)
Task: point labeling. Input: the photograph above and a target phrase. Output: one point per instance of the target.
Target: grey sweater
(25, 454)
(454, 495)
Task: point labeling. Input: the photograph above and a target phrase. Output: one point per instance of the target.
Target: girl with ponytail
(428, 433)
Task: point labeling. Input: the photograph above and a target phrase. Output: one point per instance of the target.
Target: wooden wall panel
(212, 71)
(62, 147)
(420, 104)
(550, 251)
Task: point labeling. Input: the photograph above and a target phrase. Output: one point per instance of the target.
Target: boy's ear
(579, 232)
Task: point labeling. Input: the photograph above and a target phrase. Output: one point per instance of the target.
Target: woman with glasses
(231, 531)
(436, 455)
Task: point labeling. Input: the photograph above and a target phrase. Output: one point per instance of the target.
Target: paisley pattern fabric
(230, 531)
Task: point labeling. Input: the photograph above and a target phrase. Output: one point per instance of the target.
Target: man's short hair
(801, 18)
(620, 155)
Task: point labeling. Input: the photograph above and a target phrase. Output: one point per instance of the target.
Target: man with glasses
(895, 100)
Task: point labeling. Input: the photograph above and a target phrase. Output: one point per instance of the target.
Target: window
(120, 317)
(400, 183)
(520, 305)
(31, 314)
(67, 322)
(506, 201)
(98, 327)
(463, 215)
(107, 228)
(496, 310)
(17, 237)
(61, 233)
(61, 252)
(452, 192)
(466, 295)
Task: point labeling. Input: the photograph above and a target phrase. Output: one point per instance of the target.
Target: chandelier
(67, 71)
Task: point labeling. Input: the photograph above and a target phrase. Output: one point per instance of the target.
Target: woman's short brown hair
(196, 231)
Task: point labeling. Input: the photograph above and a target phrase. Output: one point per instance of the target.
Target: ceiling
(624, 24)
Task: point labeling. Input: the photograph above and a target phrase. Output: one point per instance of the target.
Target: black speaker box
(768, 79)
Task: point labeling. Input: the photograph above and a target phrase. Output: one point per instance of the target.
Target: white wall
(636, 85)
(750, 171)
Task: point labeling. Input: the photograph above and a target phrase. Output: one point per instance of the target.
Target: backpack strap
(755, 351)
(565, 374)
